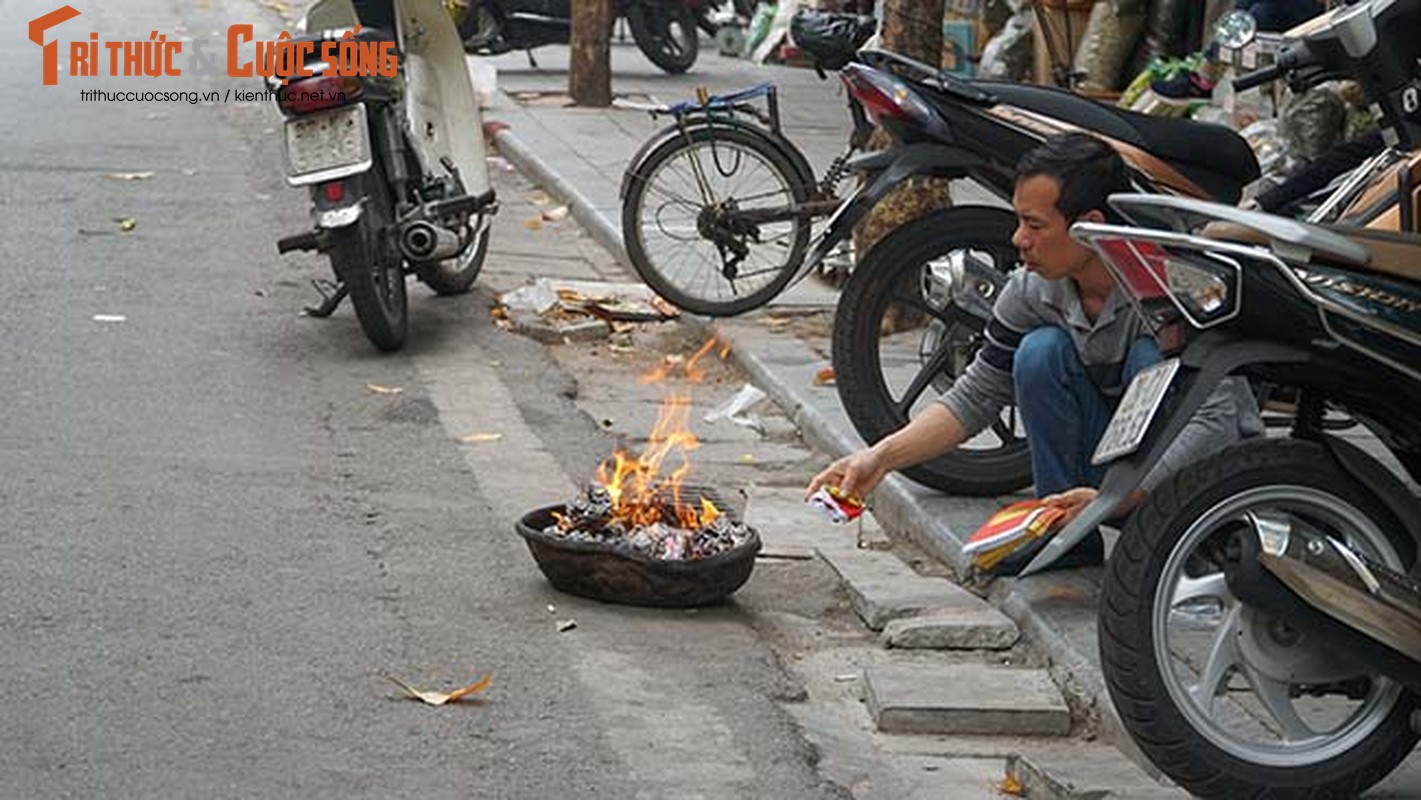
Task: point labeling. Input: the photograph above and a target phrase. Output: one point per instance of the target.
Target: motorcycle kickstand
(532, 62)
(332, 293)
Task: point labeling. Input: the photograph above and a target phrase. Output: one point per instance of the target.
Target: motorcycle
(664, 30)
(1260, 620)
(395, 165)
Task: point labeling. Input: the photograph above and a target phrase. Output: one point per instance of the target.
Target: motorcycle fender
(896, 165)
(343, 213)
(1388, 488)
(803, 171)
(1206, 361)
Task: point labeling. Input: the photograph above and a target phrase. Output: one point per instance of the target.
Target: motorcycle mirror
(1235, 29)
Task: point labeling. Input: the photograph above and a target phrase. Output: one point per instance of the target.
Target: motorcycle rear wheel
(666, 33)
(372, 270)
(1238, 730)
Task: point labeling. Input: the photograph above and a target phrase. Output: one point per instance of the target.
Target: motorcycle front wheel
(1226, 699)
(902, 336)
(666, 33)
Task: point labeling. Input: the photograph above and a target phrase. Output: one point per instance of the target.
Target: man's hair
(1086, 169)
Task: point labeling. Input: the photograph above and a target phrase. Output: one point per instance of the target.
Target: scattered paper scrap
(565, 625)
(737, 409)
(129, 176)
(439, 698)
(1011, 786)
(126, 224)
(824, 377)
(846, 678)
(375, 388)
(479, 438)
(552, 609)
(556, 214)
(539, 198)
(110, 318)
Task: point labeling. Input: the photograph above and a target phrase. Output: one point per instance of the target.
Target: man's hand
(1073, 501)
(855, 475)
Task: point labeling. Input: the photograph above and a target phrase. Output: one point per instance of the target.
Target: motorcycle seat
(1384, 252)
(1213, 156)
(1388, 252)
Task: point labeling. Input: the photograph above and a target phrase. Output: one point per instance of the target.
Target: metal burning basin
(610, 569)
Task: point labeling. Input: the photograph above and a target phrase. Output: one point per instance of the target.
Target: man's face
(1042, 235)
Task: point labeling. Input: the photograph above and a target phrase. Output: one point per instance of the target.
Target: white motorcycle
(395, 163)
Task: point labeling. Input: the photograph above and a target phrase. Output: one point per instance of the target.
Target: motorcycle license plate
(326, 146)
(1136, 411)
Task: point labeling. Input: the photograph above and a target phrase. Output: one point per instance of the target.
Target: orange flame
(635, 484)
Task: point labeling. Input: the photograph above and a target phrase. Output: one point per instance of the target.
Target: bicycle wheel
(685, 223)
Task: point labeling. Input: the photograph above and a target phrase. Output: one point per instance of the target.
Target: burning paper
(641, 502)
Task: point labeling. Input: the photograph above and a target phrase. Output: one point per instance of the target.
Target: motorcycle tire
(859, 324)
(456, 276)
(635, 217)
(654, 26)
(1167, 724)
(372, 273)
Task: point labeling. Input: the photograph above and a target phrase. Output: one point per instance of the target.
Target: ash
(589, 518)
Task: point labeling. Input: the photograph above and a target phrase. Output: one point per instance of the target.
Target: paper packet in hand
(1010, 529)
(836, 505)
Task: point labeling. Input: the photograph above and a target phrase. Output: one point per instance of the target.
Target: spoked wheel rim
(677, 214)
(953, 295)
(1208, 646)
(670, 33)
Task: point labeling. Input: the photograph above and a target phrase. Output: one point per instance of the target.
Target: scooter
(664, 30)
(1260, 618)
(395, 165)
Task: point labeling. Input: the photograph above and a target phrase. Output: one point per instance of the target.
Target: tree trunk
(914, 29)
(589, 78)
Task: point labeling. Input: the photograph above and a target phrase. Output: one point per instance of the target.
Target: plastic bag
(737, 409)
(759, 27)
(1008, 55)
(1109, 40)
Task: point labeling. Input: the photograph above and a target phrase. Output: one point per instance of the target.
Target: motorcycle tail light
(884, 96)
(1203, 287)
(319, 93)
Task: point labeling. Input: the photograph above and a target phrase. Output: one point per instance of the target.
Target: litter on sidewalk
(554, 311)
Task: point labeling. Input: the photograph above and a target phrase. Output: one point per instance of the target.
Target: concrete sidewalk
(579, 155)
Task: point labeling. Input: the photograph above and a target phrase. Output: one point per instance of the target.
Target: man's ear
(1093, 215)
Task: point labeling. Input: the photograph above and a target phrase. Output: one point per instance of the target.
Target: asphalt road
(217, 536)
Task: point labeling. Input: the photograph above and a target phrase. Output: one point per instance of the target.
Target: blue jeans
(1064, 414)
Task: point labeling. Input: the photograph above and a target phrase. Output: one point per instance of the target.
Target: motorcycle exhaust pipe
(1279, 569)
(424, 241)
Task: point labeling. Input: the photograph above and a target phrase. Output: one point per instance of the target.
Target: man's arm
(930, 434)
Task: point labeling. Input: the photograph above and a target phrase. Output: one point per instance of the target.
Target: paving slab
(924, 697)
(883, 588)
(1086, 772)
(969, 627)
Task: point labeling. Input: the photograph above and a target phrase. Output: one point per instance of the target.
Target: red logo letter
(51, 51)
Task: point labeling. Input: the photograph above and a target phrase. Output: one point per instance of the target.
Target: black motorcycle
(664, 30)
(1260, 620)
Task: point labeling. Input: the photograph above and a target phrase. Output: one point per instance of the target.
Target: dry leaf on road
(534, 224)
(376, 388)
(1011, 786)
(126, 224)
(824, 377)
(565, 625)
(439, 698)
